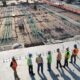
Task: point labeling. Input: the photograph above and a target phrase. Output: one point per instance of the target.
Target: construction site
(40, 40)
(38, 23)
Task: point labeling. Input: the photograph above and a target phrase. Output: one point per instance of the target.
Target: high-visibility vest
(67, 54)
(75, 51)
(29, 61)
(49, 58)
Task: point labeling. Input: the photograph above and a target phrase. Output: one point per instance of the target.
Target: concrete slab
(22, 69)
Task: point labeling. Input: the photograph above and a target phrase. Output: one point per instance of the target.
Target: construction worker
(59, 57)
(30, 65)
(74, 54)
(39, 61)
(13, 65)
(67, 56)
(49, 60)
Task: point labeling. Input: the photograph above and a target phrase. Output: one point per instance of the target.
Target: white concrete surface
(6, 72)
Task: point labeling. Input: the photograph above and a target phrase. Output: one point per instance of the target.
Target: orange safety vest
(75, 51)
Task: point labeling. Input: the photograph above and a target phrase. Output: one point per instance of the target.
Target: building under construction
(37, 23)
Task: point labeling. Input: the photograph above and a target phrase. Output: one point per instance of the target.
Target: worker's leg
(75, 59)
(60, 64)
(38, 69)
(72, 58)
(57, 64)
(42, 67)
(49, 66)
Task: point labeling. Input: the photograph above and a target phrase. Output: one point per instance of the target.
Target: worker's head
(30, 55)
(49, 52)
(13, 58)
(39, 55)
(75, 46)
(58, 50)
(67, 49)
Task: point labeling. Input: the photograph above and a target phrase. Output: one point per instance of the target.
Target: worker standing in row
(39, 61)
(74, 54)
(30, 65)
(59, 57)
(13, 65)
(67, 56)
(49, 60)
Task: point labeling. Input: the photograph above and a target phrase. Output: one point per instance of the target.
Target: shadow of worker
(63, 74)
(32, 77)
(53, 75)
(43, 77)
(77, 67)
(73, 74)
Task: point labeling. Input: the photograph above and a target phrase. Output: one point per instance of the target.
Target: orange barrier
(72, 9)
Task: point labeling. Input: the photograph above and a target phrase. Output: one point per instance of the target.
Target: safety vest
(67, 54)
(14, 65)
(75, 51)
(49, 58)
(29, 61)
(59, 56)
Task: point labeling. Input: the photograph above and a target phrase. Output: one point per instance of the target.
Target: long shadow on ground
(32, 77)
(43, 77)
(73, 74)
(65, 77)
(53, 76)
(77, 67)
